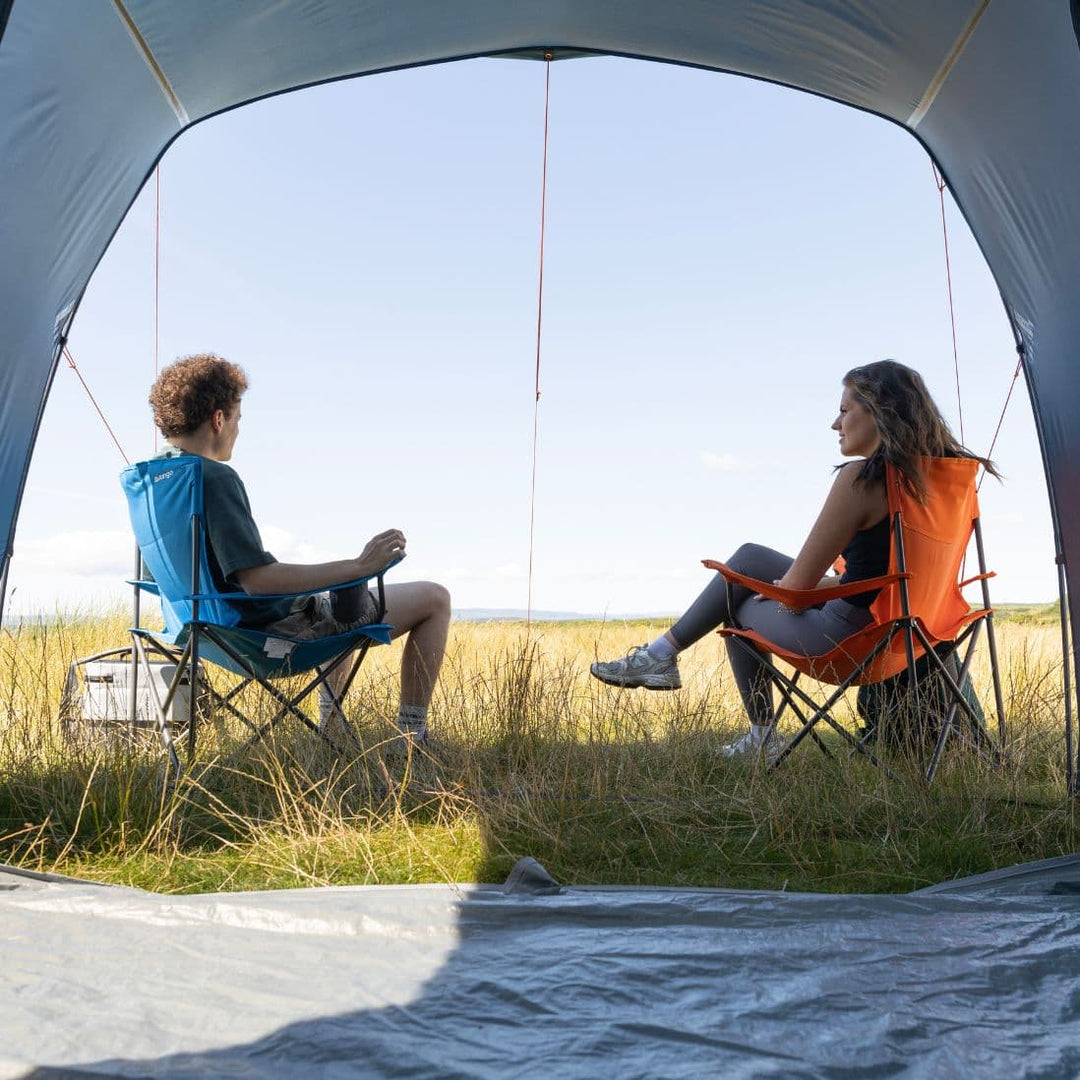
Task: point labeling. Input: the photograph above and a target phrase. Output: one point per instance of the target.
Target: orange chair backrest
(935, 537)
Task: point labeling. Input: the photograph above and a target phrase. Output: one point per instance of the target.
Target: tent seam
(151, 62)
(950, 61)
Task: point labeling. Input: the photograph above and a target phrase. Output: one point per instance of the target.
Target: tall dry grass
(531, 756)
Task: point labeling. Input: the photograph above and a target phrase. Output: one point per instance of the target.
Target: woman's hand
(824, 583)
(758, 596)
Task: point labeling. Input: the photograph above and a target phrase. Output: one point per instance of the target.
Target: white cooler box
(96, 693)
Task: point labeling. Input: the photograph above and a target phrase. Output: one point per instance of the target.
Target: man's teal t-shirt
(233, 540)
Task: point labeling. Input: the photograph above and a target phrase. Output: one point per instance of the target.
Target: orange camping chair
(919, 610)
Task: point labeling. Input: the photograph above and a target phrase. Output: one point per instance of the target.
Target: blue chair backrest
(164, 495)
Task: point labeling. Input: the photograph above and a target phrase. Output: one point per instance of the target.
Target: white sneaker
(639, 668)
(750, 747)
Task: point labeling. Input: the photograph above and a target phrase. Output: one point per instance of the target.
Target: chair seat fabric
(274, 657)
(840, 663)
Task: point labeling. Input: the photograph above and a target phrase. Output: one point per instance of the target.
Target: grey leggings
(812, 632)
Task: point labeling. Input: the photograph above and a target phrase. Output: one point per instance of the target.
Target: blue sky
(719, 252)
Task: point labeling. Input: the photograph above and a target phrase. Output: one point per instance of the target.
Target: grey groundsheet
(973, 978)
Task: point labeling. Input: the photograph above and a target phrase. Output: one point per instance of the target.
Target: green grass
(533, 758)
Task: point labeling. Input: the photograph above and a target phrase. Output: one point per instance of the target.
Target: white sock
(412, 720)
(760, 732)
(327, 708)
(662, 649)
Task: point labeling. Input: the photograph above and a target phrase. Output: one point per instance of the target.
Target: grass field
(532, 757)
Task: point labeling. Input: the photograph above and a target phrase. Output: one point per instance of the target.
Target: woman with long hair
(887, 417)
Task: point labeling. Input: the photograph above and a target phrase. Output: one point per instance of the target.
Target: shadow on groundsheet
(968, 979)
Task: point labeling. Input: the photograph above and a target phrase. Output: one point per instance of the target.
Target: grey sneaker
(638, 668)
(750, 748)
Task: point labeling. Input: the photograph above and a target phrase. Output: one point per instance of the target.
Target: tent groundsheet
(973, 978)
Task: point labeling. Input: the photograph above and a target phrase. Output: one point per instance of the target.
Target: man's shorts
(316, 615)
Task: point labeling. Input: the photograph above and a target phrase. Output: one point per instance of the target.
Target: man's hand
(380, 550)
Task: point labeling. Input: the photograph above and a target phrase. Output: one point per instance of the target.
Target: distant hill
(520, 615)
(1029, 614)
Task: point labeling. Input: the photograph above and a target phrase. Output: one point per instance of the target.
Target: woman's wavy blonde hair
(910, 424)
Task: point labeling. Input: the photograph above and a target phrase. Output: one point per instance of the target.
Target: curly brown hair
(909, 422)
(188, 392)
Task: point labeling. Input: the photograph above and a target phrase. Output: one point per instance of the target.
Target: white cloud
(508, 571)
(286, 547)
(58, 493)
(112, 553)
(80, 552)
(721, 462)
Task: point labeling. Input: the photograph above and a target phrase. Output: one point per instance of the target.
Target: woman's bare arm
(848, 508)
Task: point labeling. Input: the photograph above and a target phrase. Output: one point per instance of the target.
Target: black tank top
(866, 556)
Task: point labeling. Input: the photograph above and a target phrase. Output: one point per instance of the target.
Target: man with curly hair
(196, 405)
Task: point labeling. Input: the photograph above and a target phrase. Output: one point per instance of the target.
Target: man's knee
(438, 599)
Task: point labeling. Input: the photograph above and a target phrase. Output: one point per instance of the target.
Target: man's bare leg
(420, 609)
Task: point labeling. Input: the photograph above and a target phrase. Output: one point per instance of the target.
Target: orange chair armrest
(978, 577)
(802, 598)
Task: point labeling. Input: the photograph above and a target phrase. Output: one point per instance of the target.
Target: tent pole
(1068, 637)
(1071, 767)
(3, 582)
(133, 678)
(58, 346)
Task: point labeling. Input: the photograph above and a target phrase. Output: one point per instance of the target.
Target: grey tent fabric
(974, 978)
(93, 93)
(969, 980)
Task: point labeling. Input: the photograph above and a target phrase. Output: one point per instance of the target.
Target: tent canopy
(94, 93)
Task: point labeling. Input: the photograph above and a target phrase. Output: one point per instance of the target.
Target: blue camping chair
(165, 501)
